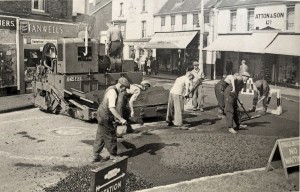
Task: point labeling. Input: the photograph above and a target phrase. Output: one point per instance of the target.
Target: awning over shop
(285, 45)
(169, 40)
(255, 43)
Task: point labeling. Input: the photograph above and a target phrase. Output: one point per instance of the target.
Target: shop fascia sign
(274, 17)
(48, 29)
(8, 23)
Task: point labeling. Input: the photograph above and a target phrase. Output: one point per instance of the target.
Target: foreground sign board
(109, 176)
(288, 152)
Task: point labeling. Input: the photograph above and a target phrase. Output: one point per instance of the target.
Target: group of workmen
(227, 93)
(111, 110)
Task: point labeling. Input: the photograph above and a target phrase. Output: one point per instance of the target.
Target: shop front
(8, 56)
(175, 51)
(271, 55)
(34, 34)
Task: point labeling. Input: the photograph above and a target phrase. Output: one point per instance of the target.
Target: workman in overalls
(261, 89)
(198, 94)
(231, 105)
(220, 88)
(108, 116)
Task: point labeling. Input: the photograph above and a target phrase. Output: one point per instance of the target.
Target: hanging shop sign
(8, 23)
(274, 17)
(48, 29)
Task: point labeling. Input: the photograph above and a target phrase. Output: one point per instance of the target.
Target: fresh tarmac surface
(38, 149)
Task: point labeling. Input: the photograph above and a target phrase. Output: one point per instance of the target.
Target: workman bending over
(115, 40)
(198, 94)
(134, 91)
(178, 92)
(108, 116)
(231, 105)
(261, 89)
(220, 88)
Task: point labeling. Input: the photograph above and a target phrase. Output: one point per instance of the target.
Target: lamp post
(201, 22)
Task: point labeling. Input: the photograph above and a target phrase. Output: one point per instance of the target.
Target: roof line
(100, 7)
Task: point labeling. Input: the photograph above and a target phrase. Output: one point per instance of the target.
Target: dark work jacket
(103, 113)
(262, 87)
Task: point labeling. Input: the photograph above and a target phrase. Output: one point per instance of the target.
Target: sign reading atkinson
(48, 29)
(274, 17)
(8, 23)
(110, 177)
(286, 150)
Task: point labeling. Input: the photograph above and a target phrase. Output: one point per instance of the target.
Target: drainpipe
(201, 22)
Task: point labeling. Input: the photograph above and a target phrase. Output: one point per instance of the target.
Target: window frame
(121, 9)
(144, 29)
(38, 10)
(163, 21)
(195, 18)
(290, 7)
(144, 6)
(233, 24)
(172, 20)
(184, 19)
(250, 25)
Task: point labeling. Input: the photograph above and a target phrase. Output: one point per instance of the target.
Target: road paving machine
(74, 75)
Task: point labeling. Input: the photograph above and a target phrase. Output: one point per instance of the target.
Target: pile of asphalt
(153, 96)
(79, 179)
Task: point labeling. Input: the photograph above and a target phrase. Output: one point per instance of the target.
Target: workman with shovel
(108, 117)
(261, 89)
(130, 97)
(220, 88)
(231, 102)
(198, 92)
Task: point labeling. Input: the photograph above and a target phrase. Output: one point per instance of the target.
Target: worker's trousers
(198, 97)
(175, 109)
(231, 108)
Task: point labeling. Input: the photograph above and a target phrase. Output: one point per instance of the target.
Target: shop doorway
(32, 58)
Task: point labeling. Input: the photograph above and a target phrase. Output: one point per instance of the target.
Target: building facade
(177, 34)
(25, 27)
(135, 18)
(265, 34)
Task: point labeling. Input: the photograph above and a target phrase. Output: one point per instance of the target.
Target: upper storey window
(290, 18)
(233, 20)
(38, 5)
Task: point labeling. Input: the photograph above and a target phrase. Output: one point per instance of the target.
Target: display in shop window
(8, 66)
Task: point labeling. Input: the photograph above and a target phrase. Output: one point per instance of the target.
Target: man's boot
(231, 130)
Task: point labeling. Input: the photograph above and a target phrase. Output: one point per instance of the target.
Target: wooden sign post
(110, 177)
(286, 150)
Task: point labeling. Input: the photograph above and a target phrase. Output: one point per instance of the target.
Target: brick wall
(55, 9)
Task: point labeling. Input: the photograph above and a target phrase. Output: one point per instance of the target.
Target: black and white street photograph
(149, 95)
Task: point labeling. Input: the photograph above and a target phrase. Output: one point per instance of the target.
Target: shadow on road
(150, 148)
(256, 124)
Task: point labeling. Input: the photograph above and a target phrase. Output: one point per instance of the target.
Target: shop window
(121, 9)
(81, 56)
(250, 19)
(233, 20)
(163, 21)
(290, 18)
(143, 29)
(38, 5)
